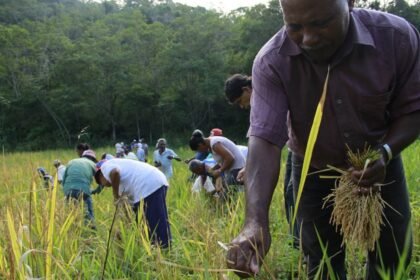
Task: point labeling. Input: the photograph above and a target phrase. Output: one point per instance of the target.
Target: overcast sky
(228, 5)
(222, 5)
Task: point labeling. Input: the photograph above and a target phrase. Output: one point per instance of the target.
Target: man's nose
(310, 39)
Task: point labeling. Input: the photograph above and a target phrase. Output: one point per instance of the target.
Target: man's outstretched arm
(253, 242)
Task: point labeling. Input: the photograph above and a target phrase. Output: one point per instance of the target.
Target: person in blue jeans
(77, 180)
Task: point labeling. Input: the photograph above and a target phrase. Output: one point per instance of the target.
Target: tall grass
(43, 237)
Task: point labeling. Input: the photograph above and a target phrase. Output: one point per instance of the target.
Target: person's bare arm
(241, 175)
(227, 157)
(253, 242)
(402, 132)
(114, 176)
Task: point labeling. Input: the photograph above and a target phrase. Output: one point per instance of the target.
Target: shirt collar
(358, 33)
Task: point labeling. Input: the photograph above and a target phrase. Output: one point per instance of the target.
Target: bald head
(197, 167)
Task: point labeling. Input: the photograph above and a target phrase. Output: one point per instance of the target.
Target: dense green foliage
(139, 68)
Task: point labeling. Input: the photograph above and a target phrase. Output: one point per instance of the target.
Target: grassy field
(42, 237)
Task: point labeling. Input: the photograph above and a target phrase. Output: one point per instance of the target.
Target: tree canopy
(124, 70)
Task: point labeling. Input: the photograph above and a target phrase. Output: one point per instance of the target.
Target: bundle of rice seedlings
(358, 216)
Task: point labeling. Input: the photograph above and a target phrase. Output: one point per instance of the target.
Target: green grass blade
(310, 145)
(50, 240)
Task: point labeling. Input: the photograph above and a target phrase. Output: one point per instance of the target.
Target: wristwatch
(387, 152)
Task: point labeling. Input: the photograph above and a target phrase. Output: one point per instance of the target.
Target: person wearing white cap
(77, 180)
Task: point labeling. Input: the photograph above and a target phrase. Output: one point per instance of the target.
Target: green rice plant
(16, 248)
(313, 134)
(52, 202)
(197, 225)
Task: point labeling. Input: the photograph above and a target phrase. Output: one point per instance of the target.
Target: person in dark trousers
(77, 180)
(139, 181)
(371, 63)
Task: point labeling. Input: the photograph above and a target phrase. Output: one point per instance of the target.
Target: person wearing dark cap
(77, 180)
(139, 181)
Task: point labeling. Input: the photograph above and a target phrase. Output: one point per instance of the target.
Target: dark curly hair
(196, 139)
(234, 85)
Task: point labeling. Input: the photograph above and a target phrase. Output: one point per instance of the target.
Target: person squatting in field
(47, 179)
(139, 181)
(205, 180)
(373, 97)
(227, 155)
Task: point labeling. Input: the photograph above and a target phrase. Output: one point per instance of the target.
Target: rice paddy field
(42, 237)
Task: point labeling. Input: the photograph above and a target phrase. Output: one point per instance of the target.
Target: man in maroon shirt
(373, 97)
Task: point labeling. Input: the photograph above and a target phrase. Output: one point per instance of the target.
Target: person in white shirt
(205, 178)
(227, 155)
(60, 170)
(129, 155)
(244, 150)
(163, 157)
(119, 150)
(141, 155)
(145, 147)
(139, 181)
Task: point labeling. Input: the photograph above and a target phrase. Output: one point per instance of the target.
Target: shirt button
(339, 101)
(346, 135)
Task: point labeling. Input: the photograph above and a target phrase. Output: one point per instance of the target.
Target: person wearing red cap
(77, 180)
(216, 132)
(227, 155)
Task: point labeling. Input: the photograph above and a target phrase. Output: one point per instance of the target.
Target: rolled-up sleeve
(407, 92)
(269, 107)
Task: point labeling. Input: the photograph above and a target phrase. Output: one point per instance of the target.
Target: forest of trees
(123, 69)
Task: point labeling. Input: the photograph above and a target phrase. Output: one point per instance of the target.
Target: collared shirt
(374, 79)
(166, 164)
